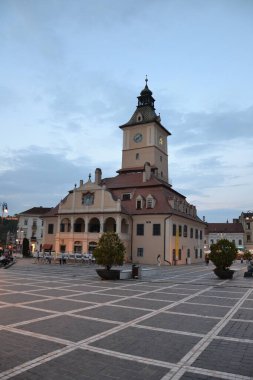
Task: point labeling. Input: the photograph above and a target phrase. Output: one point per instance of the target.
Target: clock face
(138, 137)
(161, 140)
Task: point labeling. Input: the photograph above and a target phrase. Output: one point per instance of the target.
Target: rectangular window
(240, 242)
(196, 253)
(126, 197)
(188, 252)
(62, 227)
(50, 229)
(200, 234)
(191, 233)
(140, 252)
(200, 253)
(180, 230)
(140, 229)
(174, 230)
(156, 229)
(179, 254)
(185, 230)
(196, 233)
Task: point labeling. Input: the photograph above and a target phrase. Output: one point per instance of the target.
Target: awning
(47, 246)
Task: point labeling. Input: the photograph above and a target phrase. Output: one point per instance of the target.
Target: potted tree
(223, 253)
(109, 251)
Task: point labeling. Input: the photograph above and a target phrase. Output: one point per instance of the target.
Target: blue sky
(70, 74)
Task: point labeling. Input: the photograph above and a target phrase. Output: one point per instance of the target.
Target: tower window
(137, 156)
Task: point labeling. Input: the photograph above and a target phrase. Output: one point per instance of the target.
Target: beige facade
(155, 222)
(246, 218)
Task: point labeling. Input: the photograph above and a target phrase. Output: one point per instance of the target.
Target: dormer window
(126, 196)
(139, 202)
(139, 117)
(150, 201)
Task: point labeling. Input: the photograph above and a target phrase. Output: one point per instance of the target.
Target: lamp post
(20, 240)
(4, 209)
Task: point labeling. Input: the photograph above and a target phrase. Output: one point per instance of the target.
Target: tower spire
(146, 98)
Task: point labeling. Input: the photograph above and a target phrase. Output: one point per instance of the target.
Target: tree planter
(109, 274)
(224, 274)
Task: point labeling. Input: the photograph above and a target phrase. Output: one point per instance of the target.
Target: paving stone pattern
(181, 322)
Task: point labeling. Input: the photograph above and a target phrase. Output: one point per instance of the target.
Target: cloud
(38, 178)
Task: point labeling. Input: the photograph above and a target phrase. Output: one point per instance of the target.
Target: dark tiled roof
(52, 212)
(247, 214)
(129, 180)
(148, 115)
(36, 211)
(160, 191)
(224, 228)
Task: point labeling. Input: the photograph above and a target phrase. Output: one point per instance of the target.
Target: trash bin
(135, 271)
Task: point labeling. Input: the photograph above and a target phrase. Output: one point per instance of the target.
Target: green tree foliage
(110, 250)
(223, 253)
(247, 255)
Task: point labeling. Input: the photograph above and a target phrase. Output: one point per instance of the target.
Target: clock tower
(145, 139)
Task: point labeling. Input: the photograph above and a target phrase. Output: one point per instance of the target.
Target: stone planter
(111, 274)
(224, 274)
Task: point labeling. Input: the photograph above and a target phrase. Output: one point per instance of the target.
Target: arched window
(94, 225)
(110, 225)
(79, 225)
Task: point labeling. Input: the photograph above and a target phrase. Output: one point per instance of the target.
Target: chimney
(98, 175)
(147, 172)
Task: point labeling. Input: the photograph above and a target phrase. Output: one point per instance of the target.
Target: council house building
(155, 222)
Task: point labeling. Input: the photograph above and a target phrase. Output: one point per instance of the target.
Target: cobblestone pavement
(181, 322)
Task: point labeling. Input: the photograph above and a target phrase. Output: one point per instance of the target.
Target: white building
(233, 232)
(30, 226)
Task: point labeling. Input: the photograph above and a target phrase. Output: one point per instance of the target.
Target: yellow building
(155, 222)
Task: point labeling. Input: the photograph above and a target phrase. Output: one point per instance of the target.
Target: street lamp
(4, 209)
(20, 239)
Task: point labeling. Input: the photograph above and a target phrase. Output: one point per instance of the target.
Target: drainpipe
(131, 242)
(164, 249)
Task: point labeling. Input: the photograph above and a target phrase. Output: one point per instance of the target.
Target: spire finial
(90, 177)
(146, 80)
